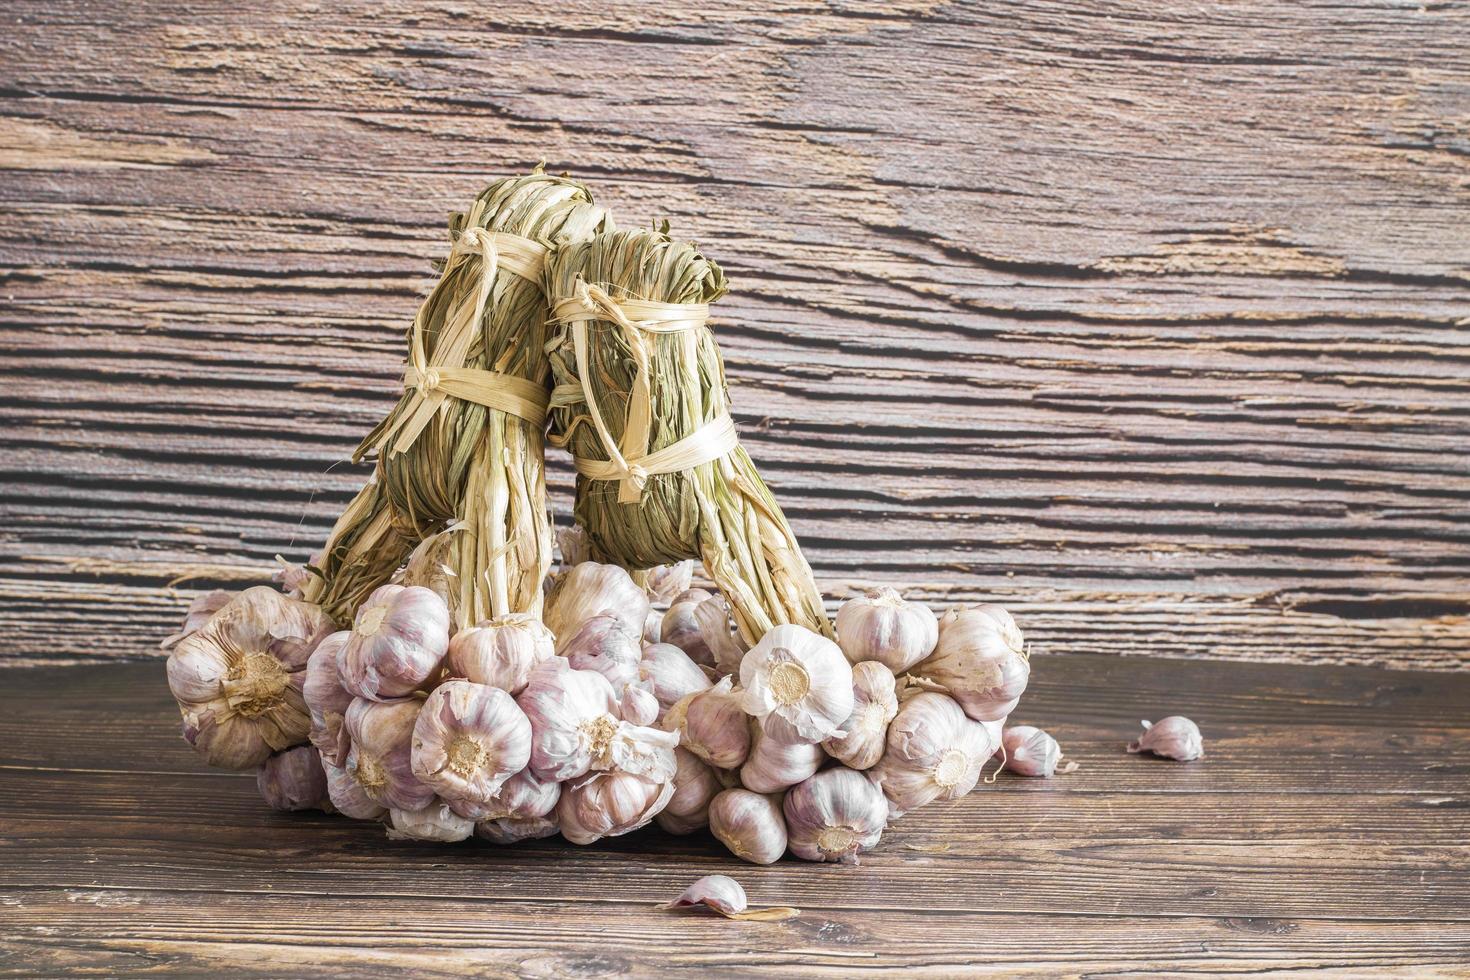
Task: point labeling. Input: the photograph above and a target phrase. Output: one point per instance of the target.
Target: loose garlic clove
(513, 830)
(348, 797)
(522, 797)
(501, 651)
(293, 780)
(749, 824)
(327, 700)
(609, 804)
(934, 752)
(238, 679)
(200, 610)
(468, 740)
(798, 684)
(713, 616)
(664, 582)
(399, 637)
(673, 675)
(695, 785)
(1175, 737)
(639, 705)
(772, 765)
(590, 589)
(834, 816)
(713, 725)
(604, 643)
(882, 626)
(980, 660)
(381, 759)
(1032, 752)
(435, 822)
(681, 627)
(875, 703)
(725, 896)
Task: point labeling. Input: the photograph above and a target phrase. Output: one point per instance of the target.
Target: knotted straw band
(631, 464)
(434, 382)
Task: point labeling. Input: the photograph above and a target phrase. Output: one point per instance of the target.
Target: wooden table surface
(1326, 829)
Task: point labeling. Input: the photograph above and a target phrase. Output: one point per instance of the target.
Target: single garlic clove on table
(933, 752)
(834, 816)
(882, 626)
(1031, 752)
(1175, 737)
(399, 637)
(875, 703)
(980, 660)
(724, 895)
(381, 759)
(798, 684)
(501, 652)
(468, 740)
(750, 824)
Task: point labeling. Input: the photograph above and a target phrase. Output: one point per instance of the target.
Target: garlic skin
(713, 725)
(435, 822)
(772, 765)
(293, 578)
(664, 582)
(933, 752)
(204, 606)
(513, 830)
(381, 758)
(604, 643)
(327, 700)
(980, 660)
(238, 678)
(1174, 737)
(1031, 751)
(882, 626)
(834, 816)
(673, 675)
(717, 632)
(639, 705)
(574, 546)
(609, 804)
(589, 589)
(431, 566)
(695, 785)
(681, 628)
(293, 780)
(749, 824)
(468, 740)
(875, 704)
(575, 728)
(798, 684)
(521, 797)
(500, 651)
(399, 636)
(348, 797)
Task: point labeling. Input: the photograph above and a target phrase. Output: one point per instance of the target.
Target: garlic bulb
(1032, 752)
(575, 727)
(934, 752)
(609, 804)
(695, 785)
(875, 703)
(589, 589)
(347, 795)
(673, 675)
(724, 895)
(238, 678)
(664, 582)
(512, 830)
(713, 725)
(773, 765)
(980, 661)
(468, 740)
(882, 626)
(834, 816)
(715, 629)
(327, 700)
(501, 651)
(749, 824)
(604, 643)
(293, 780)
(639, 705)
(205, 605)
(399, 637)
(381, 758)
(435, 822)
(681, 628)
(1175, 737)
(521, 797)
(798, 684)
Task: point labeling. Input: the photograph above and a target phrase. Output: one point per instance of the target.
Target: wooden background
(1149, 320)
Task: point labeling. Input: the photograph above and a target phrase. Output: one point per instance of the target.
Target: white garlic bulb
(435, 822)
(238, 678)
(980, 660)
(681, 627)
(713, 725)
(204, 606)
(381, 758)
(798, 684)
(834, 816)
(399, 637)
(589, 589)
(521, 797)
(664, 582)
(327, 700)
(1175, 737)
(749, 824)
(1031, 752)
(604, 643)
(673, 675)
(695, 785)
(293, 780)
(773, 765)
(468, 740)
(875, 703)
(718, 634)
(609, 804)
(883, 626)
(348, 797)
(513, 830)
(934, 752)
(575, 727)
(501, 651)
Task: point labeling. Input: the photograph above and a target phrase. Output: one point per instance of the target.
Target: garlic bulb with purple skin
(664, 582)
(681, 627)
(238, 678)
(468, 740)
(797, 684)
(882, 626)
(1174, 737)
(399, 637)
(204, 606)
(1031, 752)
(435, 822)
(294, 780)
(327, 700)
(513, 830)
(695, 785)
(673, 675)
(875, 703)
(980, 661)
(348, 797)
(749, 824)
(834, 816)
(521, 797)
(590, 589)
(933, 752)
(604, 643)
(609, 804)
(773, 765)
(713, 725)
(381, 758)
(500, 651)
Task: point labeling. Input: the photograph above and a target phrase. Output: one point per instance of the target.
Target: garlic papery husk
(652, 624)
(882, 626)
(681, 627)
(798, 684)
(749, 824)
(431, 566)
(501, 651)
(714, 726)
(605, 644)
(664, 582)
(381, 759)
(522, 796)
(468, 740)
(435, 822)
(695, 785)
(327, 700)
(574, 546)
(399, 637)
(980, 660)
(513, 830)
(238, 679)
(1175, 737)
(589, 589)
(834, 816)
(715, 628)
(874, 705)
(293, 780)
(348, 797)
(773, 765)
(292, 578)
(725, 896)
(204, 606)
(1031, 752)
(639, 705)
(933, 752)
(609, 804)
(673, 675)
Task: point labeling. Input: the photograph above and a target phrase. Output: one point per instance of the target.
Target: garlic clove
(1032, 752)
(934, 752)
(399, 637)
(773, 765)
(882, 626)
(715, 629)
(200, 610)
(980, 661)
(435, 822)
(875, 704)
(381, 758)
(513, 830)
(680, 626)
(673, 675)
(664, 582)
(834, 816)
(294, 780)
(751, 825)
(695, 785)
(609, 804)
(348, 797)
(1175, 737)
(798, 684)
(590, 589)
(520, 797)
(713, 725)
(604, 643)
(652, 623)
(639, 705)
(468, 740)
(725, 896)
(327, 700)
(501, 651)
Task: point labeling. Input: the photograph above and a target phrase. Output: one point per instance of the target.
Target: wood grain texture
(1150, 321)
(1324, 831)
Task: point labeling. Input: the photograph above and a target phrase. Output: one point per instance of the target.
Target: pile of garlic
(607, 714)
